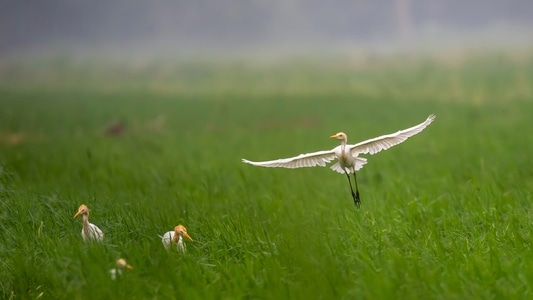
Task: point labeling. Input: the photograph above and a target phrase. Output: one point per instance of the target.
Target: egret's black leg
(356, 199)
(355, 196)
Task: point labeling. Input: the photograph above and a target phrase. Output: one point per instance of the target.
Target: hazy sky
(126, 25)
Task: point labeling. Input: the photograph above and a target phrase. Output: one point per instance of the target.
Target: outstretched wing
(320, 158)
(384, 142)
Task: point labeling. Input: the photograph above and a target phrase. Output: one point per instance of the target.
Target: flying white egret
(347, 155)
(176, 237)
(121, 265)
(89, 232)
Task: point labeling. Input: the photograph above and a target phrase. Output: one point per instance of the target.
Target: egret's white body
(348, 160)
(176, 237)
(121, 265)
(89, 232)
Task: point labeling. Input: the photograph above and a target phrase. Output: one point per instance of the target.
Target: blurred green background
(150, 133)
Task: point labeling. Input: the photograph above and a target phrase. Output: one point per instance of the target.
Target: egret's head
(339, 136)
(83, 210)
(181, 230)
(121, 264)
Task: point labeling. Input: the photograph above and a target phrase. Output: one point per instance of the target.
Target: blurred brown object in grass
(115, 129)
(12, 138)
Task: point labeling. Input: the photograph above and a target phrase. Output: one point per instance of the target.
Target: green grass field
(445, 215)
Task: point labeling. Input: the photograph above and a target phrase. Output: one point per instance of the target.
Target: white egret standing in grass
(176, 237)
(347, 155)
(121, 265)
(89, 232)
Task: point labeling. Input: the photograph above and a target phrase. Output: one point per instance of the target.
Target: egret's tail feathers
(359, 163)
(337, 168)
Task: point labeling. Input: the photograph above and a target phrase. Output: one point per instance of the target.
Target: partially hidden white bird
(89, 232)
(117, 271)
(176, 237)
(347, 155)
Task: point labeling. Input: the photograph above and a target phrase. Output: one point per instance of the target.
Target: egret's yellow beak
(129, 267)
(187, 236)
(334, 136)
(77, 214)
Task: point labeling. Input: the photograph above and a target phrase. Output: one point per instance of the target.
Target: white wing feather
(99, 234)
(94, 233)
(384, 142)
(320, 158)
(167, 238)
